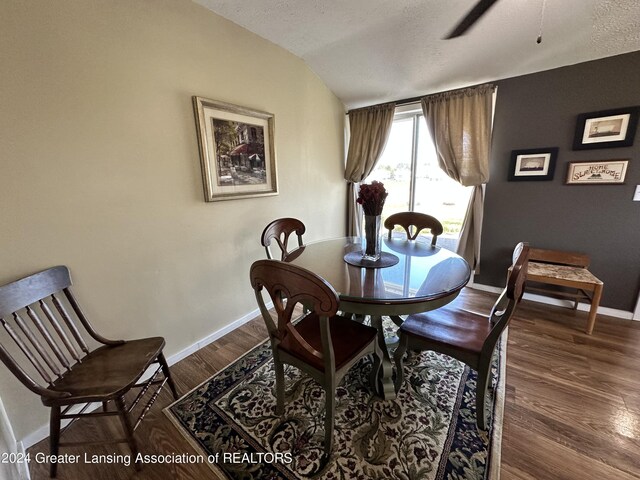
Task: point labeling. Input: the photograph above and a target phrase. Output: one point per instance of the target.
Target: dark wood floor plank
(572, 408)
(586, 440)
(571, 392)
(547, 459)
(513, 473)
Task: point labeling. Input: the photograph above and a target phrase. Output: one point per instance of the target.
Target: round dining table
(425, 277)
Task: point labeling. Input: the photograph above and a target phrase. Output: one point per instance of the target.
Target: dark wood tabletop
(424, 273)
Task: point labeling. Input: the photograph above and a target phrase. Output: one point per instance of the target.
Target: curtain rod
(406, 101)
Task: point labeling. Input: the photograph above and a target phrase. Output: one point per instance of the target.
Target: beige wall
(100, 168)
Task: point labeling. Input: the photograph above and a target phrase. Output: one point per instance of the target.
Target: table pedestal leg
(387, 390)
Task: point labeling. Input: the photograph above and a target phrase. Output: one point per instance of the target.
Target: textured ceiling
(372, 51)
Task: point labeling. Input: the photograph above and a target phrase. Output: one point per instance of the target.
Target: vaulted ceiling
(372, 51)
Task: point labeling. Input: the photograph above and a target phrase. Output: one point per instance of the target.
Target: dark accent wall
(540, 110)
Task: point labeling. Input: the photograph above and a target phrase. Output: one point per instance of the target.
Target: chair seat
(109, 371)
(348, 337)
(450, 326)
(561, 272)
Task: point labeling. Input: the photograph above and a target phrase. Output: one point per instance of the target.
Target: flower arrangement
(372, 197)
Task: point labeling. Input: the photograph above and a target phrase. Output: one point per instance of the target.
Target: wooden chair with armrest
(43, 319)
(280, 230)
(413, 223)
(322, 344)
(466, 336)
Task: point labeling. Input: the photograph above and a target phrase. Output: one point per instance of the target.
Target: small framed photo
(603, 173)
(533, 164)
(236, 151)
(606, 129)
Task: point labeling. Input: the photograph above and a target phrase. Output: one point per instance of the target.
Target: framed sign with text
(591, 173)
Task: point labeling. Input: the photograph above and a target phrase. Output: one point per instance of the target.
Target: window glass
(434, 192)
(394, 167)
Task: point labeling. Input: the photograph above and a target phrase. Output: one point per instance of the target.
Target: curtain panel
(369, 130)
(460, 125)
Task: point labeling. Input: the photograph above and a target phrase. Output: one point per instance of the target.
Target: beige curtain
(460, 126)
(369, 130)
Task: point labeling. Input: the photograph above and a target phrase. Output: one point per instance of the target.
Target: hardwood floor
(572, 409)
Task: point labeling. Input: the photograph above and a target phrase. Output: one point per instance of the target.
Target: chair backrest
(506, 304)
(520, 263)
(287, 286)
(419, 221)
(280, 230)
(558, 257)
(40, 316)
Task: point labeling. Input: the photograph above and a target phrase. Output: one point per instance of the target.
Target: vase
(371, 250)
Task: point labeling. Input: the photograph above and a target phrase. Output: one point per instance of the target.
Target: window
(410, 172)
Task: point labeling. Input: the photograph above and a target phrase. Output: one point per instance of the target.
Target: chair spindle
(26, 351)
(47, 336)
(37, 344)
(56, 326)
(67, 319)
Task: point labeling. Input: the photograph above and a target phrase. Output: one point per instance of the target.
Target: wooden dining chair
(413, 223)
(46, 348)
(466, 336)
(280, 230)
(322, 344)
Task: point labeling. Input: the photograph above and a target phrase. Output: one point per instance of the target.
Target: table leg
(595, 302)
(387, 390)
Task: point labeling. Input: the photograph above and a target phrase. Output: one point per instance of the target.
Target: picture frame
(237, 151)
(534, 164)
(606, 172)
(606, 128)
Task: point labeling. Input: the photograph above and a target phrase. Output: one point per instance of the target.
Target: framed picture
(606, 129)
(236, 151)
(590, 173)
(533, 164)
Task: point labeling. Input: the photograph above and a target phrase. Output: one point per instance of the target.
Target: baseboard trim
(583, 307)
(36, 436)
(212, 337)
(43, 431)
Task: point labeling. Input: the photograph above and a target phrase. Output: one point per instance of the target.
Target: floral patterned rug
(428, 432)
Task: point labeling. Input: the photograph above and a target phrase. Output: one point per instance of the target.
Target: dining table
(425, 277)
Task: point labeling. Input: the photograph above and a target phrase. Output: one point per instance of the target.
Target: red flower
(372, 197)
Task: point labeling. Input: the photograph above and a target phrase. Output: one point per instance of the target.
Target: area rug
(427, 432)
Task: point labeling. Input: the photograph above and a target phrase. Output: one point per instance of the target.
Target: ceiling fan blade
(472, 17)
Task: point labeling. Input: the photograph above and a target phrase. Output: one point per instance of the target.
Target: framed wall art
(236, 150)
(606, 129)
(603, 173)
(533, 164)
